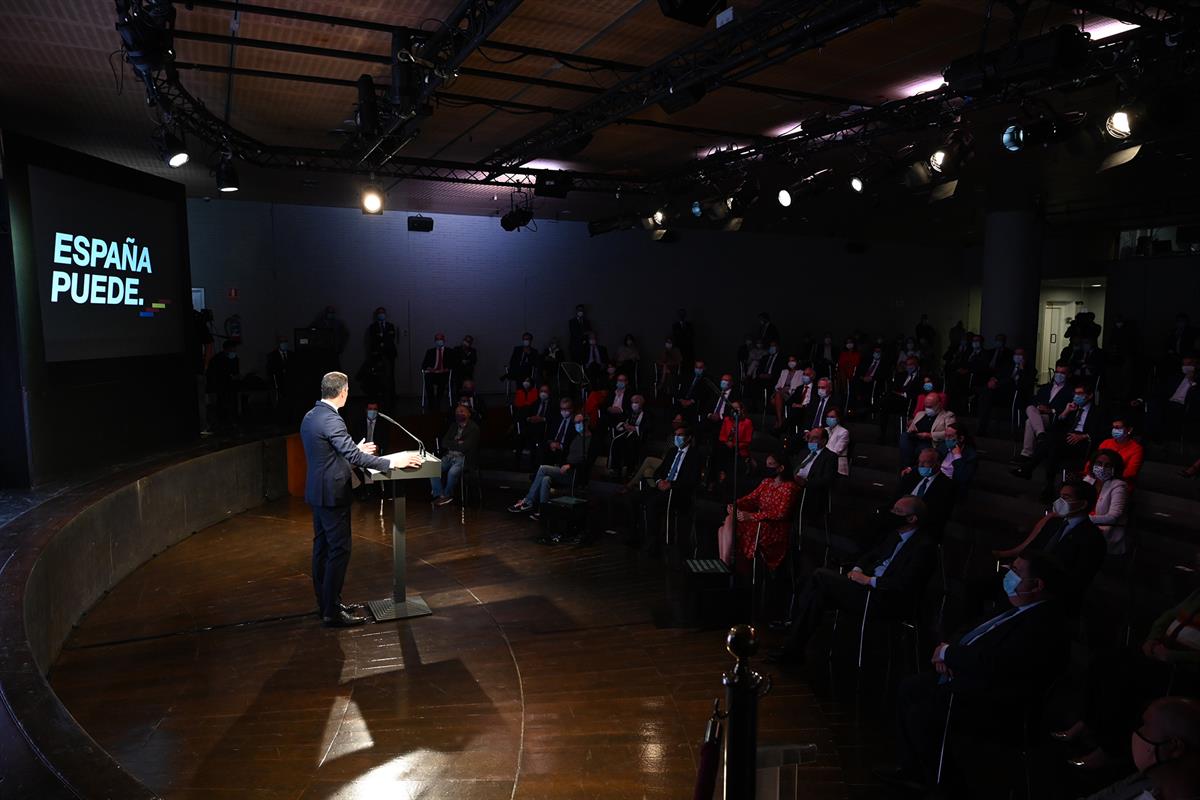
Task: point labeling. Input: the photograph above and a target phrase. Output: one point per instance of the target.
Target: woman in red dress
(763, 519)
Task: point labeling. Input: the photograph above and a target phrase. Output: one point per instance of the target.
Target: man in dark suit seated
(929, 483)
(1072, 435)
(1048, 402)
(435, 372)
(892, 576)
(368, 428)
(816, 472)
(694, 391)
(1007, 389)
(994, 671)
(629, 438)
(1069, 535)
(559, 433)
(595, 359)
(330, 453)
(674, 482)
(524, 361)
(532, 423)
(865, 393)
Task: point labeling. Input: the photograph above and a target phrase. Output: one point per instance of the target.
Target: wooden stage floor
(541, 674)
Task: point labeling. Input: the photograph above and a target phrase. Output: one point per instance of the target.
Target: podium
(401, 605)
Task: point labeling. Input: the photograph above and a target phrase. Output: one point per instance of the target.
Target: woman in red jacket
(763, 519)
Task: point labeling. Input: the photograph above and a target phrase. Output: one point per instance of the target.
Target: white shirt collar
(330, 404)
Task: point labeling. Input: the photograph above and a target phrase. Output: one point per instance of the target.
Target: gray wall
(470, 276)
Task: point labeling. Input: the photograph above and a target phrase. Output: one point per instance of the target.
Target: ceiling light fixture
(372, 200)
(226, 172)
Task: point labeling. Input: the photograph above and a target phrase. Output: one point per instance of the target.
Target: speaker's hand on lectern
(405, 460)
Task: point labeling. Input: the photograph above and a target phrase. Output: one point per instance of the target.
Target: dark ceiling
(61, 78)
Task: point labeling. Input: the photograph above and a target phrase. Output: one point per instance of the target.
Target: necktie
(438, 364)
(989, 626)
(675, 466)
(922, 487)
(883, 565)
(562, 431)
(720, 405)
(871, 371)
(595, 355)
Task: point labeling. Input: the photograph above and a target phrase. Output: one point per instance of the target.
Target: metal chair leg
(945, 739)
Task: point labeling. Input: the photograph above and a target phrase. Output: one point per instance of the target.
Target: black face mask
(898, 520)
(461, 420)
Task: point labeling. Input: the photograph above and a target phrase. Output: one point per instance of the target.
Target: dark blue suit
(330, 452)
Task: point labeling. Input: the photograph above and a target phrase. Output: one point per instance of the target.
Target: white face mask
(1061, 507)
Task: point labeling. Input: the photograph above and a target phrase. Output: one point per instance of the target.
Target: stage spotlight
(784, 197)
(372, 200)
(857, 184)
(729, 202)
(1013, 138)
(697, 209)
(658, 217)
(174, 150)
(1043, 130)
(227, 178)
(937, 160)
(952, 153)
(1119, 124)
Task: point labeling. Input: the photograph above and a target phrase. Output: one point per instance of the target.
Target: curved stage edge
(60, 558)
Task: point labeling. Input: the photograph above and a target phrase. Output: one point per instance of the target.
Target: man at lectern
(330, 453)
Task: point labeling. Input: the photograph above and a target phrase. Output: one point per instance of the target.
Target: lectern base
(388, 610)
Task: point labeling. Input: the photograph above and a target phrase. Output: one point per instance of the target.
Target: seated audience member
(723, 455)
(629, 438)
(763, 374)
(1009, 389)
(743, 357)
(1109, 514)
(548, 361)
(561, 432)
(824, 356)
(1071, 437)
(794, 385)
(805, 417)
(670, 364)
(465, 358)
(1165, 749)
(816, 472)
(1122, 443)
(929, 384)
(524, 361)
(693, 394)
(435, 371)
(1177, 400)
(532, 424)
(839, 439)
(848, 360)
(865, 384)
(1068, 534)
(1048, 402)
(960, 459)
(719, 404)
(900, 398)
(893, 574)
(472, 401)
(674, 482)
(763, 517)
(927, 429)
(459, 449)
(1121, 681)
(992, 671)
(595, 357)
(525, 396)
(931, 485)
(649, 464)
(550, 475)
(1085, 359)
(628, 357)
(616, 406)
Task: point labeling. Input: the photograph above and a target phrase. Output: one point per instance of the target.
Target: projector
(420, 224)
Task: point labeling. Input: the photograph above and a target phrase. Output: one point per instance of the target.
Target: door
(1050, 344)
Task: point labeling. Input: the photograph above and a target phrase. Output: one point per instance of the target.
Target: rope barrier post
(743, 687)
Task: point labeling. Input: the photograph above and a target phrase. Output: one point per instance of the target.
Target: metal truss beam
(790, 26)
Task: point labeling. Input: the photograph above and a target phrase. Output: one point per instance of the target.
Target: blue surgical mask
(1081, 400)
(283, 347)
(813, 447)
(805, 379)
(372, 413)
(679, 442)
(526, 342)
(927, 386)
(231, 355)
(1018, 359)
(831, 422)
(1118, 433)
(620, 384)
(772, 350)
(438, 343)
(976, 345)
(698, 372)
(925, 472)
(381, 317)
(724, 384)
(1060, 378)
(579, 427)
(636, 407)
(951, 443)
(822, 393)
(1011, 581)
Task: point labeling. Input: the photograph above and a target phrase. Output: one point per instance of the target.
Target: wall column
(1012, 276)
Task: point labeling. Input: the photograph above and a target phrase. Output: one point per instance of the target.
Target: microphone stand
(420, 444)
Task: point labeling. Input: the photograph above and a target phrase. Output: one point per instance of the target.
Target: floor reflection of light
(348, 719)
(390, 780)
